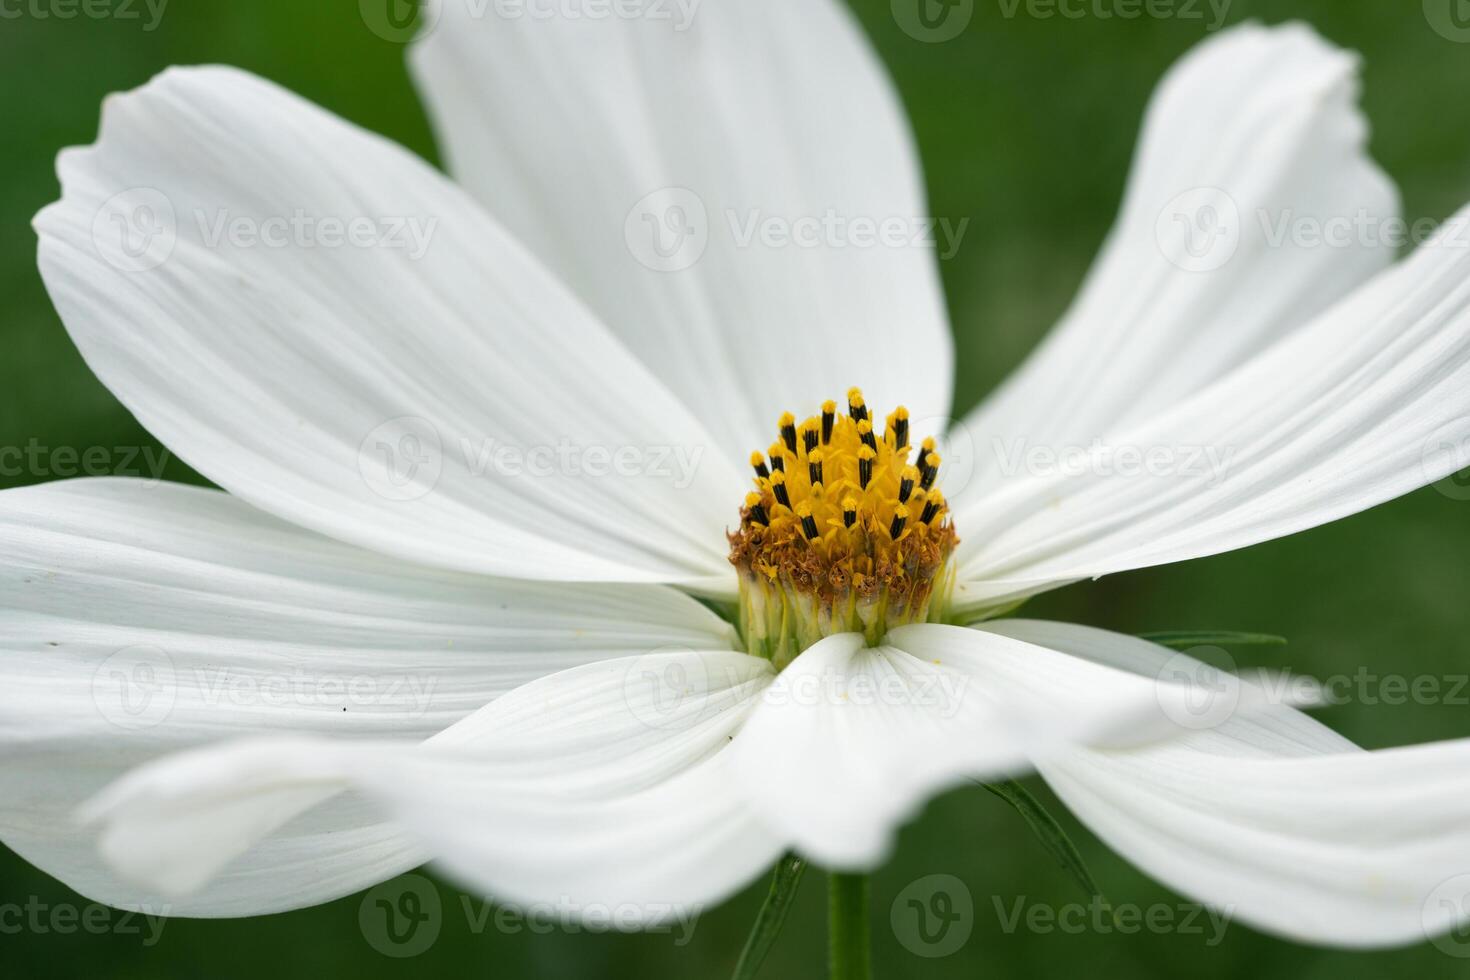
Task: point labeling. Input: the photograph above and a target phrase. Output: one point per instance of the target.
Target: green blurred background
(1026, 127)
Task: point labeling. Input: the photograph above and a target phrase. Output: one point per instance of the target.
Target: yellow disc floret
(846, 531)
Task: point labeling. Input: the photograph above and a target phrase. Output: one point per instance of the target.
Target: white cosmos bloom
(285, 692)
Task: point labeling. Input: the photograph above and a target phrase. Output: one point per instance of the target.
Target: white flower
(433, 618)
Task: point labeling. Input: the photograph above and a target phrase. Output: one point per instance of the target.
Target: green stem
(849, 955)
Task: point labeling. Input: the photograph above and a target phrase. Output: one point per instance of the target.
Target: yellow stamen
(787, 426)
(845, 533)
(777, 454)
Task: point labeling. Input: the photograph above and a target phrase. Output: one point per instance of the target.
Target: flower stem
(849, 956)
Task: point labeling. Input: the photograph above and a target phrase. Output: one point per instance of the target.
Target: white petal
(583, 132)
(598, 787)
(1367, 402)
(1279, 821)
(850, 741)
(422, 388)
(1262, 125)
(139, 619)
(336, 850)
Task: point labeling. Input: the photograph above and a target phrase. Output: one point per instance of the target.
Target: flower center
(843, 534)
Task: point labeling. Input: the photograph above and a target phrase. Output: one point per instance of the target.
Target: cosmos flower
(518, 565)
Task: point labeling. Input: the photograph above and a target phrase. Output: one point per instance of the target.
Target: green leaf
(1050, 833)
(772, 915)
(1184, 639)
